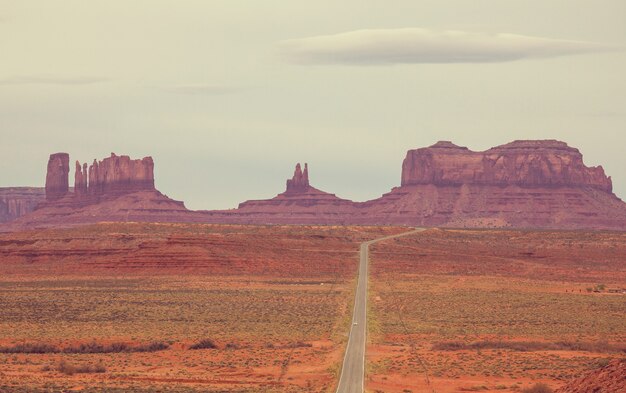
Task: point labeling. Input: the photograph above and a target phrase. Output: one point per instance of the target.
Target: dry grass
(506, 308)
(527, 346)
(71, 369)
(261, 294)
(91, 347)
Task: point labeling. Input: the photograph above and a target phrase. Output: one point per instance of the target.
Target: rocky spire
(80, 180)
(57, 180)
(300, 180)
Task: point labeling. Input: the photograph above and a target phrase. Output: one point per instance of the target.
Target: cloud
(51, 80)
(416, 45)
(202, 89)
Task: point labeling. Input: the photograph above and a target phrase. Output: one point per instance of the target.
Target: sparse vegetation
(91, 347)
(71, 369)
(598, 347)
(477, 305)
(538, 388)
(204, 344)
(192, 283)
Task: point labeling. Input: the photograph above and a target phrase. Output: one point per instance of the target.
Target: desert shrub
(30, 348)
(299, 344)
(475, 388)
(70, 369)
(152, 347)
(94, 347)
(204, 344)
(538, 388)
(66, 368)
(527, 346)
(232, 346)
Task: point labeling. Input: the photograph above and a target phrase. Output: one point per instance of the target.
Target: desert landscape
(198, 307)
(312, 197)
(113, 286)
(120, 307)
(492, 310)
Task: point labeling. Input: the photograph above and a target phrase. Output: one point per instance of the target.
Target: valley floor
(120, 307)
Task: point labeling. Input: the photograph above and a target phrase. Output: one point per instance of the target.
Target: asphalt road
(353, 370)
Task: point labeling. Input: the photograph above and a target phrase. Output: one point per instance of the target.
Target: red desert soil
(274, 301)
(494, 310)
(608, 379)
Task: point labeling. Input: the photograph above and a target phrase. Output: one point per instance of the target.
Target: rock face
(609, 379)
(522, 184)
(116, 188)
(81, 180)
(299, 204)
(300, 181)
(115, 175)
(547, 163)
(57, 184)
(18, 201)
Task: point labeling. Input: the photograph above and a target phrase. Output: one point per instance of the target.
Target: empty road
(353, 370)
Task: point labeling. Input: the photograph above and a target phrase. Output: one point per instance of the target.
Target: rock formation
(113, 189)
(57, 184)
(522, 184)
(18, 201)
(80, 180)
(297, 205)
(528, 184)
(547, 163)
(300, 181)
(115, 175)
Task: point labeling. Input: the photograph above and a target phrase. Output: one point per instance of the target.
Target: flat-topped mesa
(115, 175)
(537, 163)
(57, 183)
(300, 181)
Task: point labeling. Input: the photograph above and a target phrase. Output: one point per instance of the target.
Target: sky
(227, 96)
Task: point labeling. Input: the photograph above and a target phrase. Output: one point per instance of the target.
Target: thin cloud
(51, 80)
(416, 45)
(202, 89)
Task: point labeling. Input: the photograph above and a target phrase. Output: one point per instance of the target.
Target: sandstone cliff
(523, 184)
(57, 184)
(547, 163)
(298, 204)
(116, 188)
(115, 175)
(18, 201)
(300, 181)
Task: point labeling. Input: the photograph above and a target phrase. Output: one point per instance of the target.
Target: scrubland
(176, 307)
(463, 310)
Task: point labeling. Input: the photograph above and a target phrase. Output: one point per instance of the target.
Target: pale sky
(227, 96)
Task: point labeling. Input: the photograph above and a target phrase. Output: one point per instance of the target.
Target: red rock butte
(522, 184)
(57, 184)
(115, 175)
(298, 199)
(521, 163)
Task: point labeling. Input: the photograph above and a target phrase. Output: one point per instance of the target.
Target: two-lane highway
(353, 371)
